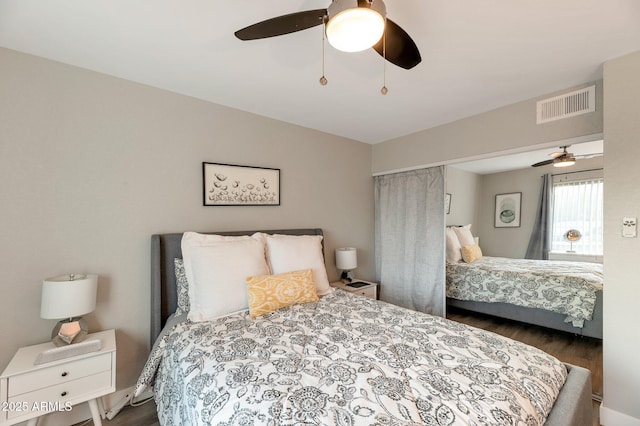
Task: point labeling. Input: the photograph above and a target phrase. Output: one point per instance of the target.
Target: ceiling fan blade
(281, 25)
(595, 154)
(401, 50)
(542, 163)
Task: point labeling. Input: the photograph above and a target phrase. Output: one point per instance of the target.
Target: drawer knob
(64, 374)
(63, 393)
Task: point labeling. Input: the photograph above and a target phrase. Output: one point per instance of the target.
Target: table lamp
(68, 297)
(573, 236)
(347, 260)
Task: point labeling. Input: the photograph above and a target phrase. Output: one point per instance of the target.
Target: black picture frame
(236, 185)
(507, 211)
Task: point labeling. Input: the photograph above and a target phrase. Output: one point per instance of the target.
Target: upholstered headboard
(164, 249)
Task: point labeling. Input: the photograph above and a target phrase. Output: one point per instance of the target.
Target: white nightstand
(370, 290)
(28, 391)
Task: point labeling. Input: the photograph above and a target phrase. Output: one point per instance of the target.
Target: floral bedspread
(567, 288)
(347, 360)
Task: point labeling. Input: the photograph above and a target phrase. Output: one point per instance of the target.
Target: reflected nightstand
(369, 289)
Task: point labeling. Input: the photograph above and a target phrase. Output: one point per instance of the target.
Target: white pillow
(453, 247)
(464, 235)
(216, 267)
(287, 253)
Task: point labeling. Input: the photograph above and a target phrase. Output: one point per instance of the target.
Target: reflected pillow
(464, 235)
(471, 253)
(295, 253)
(216, 267)
(268, 293)
(453, 246)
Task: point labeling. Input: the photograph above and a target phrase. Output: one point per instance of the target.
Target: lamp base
(69, 331)
(346, 277)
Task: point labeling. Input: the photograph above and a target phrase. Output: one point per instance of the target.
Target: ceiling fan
(351, 26)
(563, 158)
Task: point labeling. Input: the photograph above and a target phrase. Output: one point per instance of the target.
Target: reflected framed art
(507, 213)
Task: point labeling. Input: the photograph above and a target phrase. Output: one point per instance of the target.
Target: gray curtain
(409, 239)
(540, 241)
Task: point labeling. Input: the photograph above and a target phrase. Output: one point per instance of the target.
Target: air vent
(568, 105)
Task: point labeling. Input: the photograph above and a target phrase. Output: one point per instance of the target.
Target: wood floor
(583, 351)
(143, 415)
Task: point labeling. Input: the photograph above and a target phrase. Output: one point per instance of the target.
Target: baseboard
(143, 396)
(609, 417)
(113, 398)
(81, 412)
(117, 401)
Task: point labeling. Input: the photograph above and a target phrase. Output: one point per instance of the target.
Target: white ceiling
(523, 160)
(477, 55)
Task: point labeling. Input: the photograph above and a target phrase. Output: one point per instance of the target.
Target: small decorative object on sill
(572, 235)
(347, 260)
(70, 297)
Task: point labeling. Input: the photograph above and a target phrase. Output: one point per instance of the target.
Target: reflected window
(578, 216)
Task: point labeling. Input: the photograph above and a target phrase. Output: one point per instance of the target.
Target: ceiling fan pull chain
(384, 89)
(323, 79)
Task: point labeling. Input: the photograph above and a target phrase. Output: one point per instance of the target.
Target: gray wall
(513, 242)
(507, 128)
(622, 255)
(465, 190)
(91, 166)
(492, 133)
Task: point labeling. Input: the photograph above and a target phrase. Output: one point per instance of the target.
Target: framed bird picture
(232, 185)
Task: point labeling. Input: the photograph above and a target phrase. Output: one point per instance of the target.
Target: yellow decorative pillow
(268, 293)
(471, 253)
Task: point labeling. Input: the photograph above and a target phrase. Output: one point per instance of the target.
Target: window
(578, 205)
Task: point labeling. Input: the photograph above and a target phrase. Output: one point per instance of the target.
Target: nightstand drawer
(58, 374)
(367, 292)
(72, 390)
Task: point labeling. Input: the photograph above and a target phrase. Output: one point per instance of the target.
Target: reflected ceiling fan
(564, 158)
(351, 26)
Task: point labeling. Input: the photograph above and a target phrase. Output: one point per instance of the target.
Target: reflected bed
(562, 295)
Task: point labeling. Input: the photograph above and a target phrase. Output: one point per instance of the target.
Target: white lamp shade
(64, 297)
(346, 258)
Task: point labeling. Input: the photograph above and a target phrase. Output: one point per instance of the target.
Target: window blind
(578, 205)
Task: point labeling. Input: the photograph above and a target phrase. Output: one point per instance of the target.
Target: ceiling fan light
(351, 28)
(564, 162)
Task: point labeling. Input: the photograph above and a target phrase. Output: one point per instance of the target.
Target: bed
(565, 296)
(345, 360)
